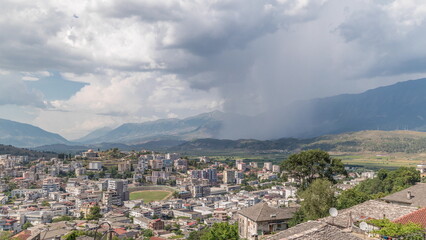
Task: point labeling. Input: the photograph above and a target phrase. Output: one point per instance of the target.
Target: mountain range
(396, 107)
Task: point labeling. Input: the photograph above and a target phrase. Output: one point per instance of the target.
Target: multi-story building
(200, 191)
(229, 176)
(9, 224)
(124, 166)
(209, 174)
(181, 164)
(267, 166)
(276, 168)
(120, 187)
(51, 184)
(95, 166)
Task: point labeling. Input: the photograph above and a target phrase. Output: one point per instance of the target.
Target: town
(150, 195)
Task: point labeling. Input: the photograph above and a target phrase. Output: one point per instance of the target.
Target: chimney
(409, 195)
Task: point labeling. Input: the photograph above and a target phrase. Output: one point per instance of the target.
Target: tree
(390, 181)
(95, 213)
(318, 199)
(351, 197)
(45, 203)
(5, 235)
(196, 235)
(410, 231)
(26, 225)
(221, 231)
(308, 165)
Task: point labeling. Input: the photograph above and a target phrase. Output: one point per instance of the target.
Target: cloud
(144, 60)
(13, 91)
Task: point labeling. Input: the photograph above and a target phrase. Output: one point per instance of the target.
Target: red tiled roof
(418, 217)
(120, 231)
(157, 238)
(24, 235)
(192, 223)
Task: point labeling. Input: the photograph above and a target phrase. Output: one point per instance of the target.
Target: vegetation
(149, 195)
(385, 183)
(390, 181)
(309, 165)
(410, 231)
(94, 214)
(318, 199)
(351, 197)
(221, 231)
(26, 225)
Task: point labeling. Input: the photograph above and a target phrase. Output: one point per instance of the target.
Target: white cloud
(151, 59)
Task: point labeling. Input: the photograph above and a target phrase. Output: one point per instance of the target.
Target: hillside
(26, 135)
(205, 125)
(7, 149)
(396, 107)
(363, 141)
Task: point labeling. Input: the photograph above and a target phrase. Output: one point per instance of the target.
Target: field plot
(377, 161)
(150, 195)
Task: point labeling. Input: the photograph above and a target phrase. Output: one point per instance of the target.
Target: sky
(71, 67)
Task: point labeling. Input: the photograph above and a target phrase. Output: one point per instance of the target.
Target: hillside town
(149, 195)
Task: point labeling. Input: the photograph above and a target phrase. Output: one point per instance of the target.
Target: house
(262, 219)
(154, 224)
(413, 196)
(313, 230)
(186, 214)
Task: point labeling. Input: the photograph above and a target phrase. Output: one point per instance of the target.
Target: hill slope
(26, 135)
(363, 141)
(397, 107)
(207, 125)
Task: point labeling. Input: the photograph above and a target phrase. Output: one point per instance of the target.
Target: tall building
(267, 166)
(229, 176)
(200, 191)
(51, 184)
(120, 187)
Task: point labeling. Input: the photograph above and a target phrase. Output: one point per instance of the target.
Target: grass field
(150, 195)
(376, 161)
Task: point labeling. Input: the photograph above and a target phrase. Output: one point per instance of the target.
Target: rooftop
(417, 196)
(418, 217)
(263, 212)
(372, 209)
(313, 230)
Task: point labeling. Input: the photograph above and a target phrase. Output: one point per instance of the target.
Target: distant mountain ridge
(362, 141)
(26, 135)
(401, 106)
(205, 125)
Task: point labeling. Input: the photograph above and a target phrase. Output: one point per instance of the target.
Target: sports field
(150, 195)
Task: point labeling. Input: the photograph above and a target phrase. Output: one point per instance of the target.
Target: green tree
(318, 199)
(26, 225)
(221, 231)
(45, 203)
(390, 181)
(196, 235)
(308, 165)
(351, 197)
(410, 231)
(95, 213)
(298, 217)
